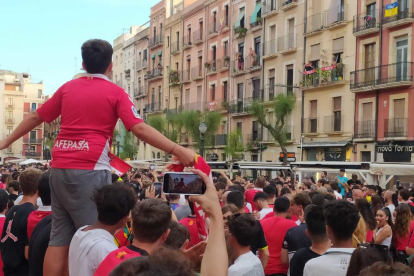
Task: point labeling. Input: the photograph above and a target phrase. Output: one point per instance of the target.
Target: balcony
(9, 150)
(223, 64)
(211, 67)
(175, 47)
(32, 154)
(314, 24)
(225, 26)
(9, 106)
(271, 91)
(127, 74)
(365, 130)
(220, 139)
(186, 75)
(155, 41)
(270, 49)
(32, 140)
(310, 126)
(254, 140)
(253, 63)
(289, 4)
(9, 120)
(333, 124)
(241, 106)
(287, 44)
(153, 107)
(174, 78)
(144, 63)
(237, 67)
(198, 37)
(382, 77)
(336, 17)
(119, 83)
(154, 74)
(216, 105)
(395, 128)
(402, 17)
(192, 106)
(187, 43)
(270, 7)
(257, 24)
(323, 77)
(213, 29)
(197, 73)
(364, 23)
(139, 92)
(138, 65)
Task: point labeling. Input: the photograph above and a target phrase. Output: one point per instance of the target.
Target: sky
(44, 37)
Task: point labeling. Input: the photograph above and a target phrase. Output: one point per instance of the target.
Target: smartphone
(158, 188)
(151, 167)
(183, 183)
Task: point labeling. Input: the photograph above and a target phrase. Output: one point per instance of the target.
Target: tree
(129, 149)
(283, 105)
(234, 143)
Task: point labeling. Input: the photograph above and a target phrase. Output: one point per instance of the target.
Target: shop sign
(335, 154)
(291, 157)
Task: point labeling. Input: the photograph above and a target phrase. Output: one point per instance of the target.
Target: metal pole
(301, 147)
(117, 149)
(202, 146)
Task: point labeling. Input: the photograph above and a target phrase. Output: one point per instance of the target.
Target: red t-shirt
(191, 225)
(118, 256)
(275, 229)
(249, 194)
(35, 217)
(2, 220)
(269, 215)
(402, 243)
(89, 108)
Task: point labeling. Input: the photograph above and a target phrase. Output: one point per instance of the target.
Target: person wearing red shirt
(191, 223)
(4, 206)
(150, 224)
(249, 194)
(43, 190)
(403, 228)
(89, 108)
(275, 229)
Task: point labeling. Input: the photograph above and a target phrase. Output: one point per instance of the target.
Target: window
(271, 84)
(33, 107)
(241, 48)
(176, 66)
(337, 123)
(313, 120)
(371, 10)
(240, 91)
(225, 91)
(224, 127)
(213, 92)
(399, 108)
(257, 50)
(226, 48)
(255, 131)
(239, 127)
(226, 15)
(337, 49)
(241, 16)
(32, 137)
(39, 93)
(369, 62)
(312, 155)
(159, 97)
(289, 78)
(9, 131)
(145, 54)
(402, 55)
(200, 28)
(168, 41)
(10, 113)
(315, 55)
(367, 111)
(256, 88)
(365, 156)
(215, 21)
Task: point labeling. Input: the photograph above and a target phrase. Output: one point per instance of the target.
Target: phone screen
(158, 188)
(151, 167)
(183, 183)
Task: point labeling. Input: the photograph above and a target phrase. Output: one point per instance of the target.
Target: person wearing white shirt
(242, 231)
(341, 219)
(260, 201)
(91, 244)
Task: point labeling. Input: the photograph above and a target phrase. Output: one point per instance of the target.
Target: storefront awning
(323, 145)
(153, 56)
(239, 18)
(256, 11)
(160, 53)
(392, 169)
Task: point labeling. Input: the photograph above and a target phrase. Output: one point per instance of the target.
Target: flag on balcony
(391, 9)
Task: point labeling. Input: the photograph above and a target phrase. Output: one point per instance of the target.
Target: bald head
(388, 196)
(224, 197)
(357, 194)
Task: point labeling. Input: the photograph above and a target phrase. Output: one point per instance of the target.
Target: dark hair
(96, 55)
(220, 186)
(43, 189)
(318, 200)
(4, 178)
(329, 197)
(376, 203)
(402, 221)
(405, 194)
(172, 197)
(382, 269)
(365, 257)
(4, 200)
(15, 175)
(114, 177)
(387, 212)
(372, 187)
(282, 204)
(243, 228)
(395, 199)
(342, 217)
(260, 182)
(325, 173)
(14, 185)
(315, 222)
(302, 199)
(322, 181)
(236, 187)
(334, 186)
(260, 196)
(284, 191)
(279, 182)
(342, 170)
(236, 198)
(29, 181)
(270, 191)
(222, 180)
(114, 202)
(150, 219)
(229, 208)
(312, 193)
(364, 209)
(178, 235)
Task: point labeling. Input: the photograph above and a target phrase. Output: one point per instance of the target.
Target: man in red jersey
(191, 223)
(4, 206)
(249, 194)
(275, 229)
(89, 108)
(150, 223)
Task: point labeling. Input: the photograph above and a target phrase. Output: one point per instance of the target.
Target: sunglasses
(373, 245)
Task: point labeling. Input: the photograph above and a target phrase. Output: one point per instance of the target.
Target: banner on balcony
(328, 68)
(309, 72)
(391, 9)
(212, 106)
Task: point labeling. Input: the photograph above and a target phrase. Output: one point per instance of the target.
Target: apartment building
(382, 81)
(328, 103)
(19, 97)
(141, 63)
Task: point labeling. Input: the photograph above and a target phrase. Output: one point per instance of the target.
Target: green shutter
(153, 56)
(239, 18)
(160, 53)
(253, 18)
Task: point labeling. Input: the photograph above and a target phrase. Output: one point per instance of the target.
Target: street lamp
(203, 129)
(118, 141)
(47, 153)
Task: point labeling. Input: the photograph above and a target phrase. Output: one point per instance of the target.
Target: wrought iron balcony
(288, 4)
(336, 16)
(365, 129)
(333, 124)
(9, 120)
(310, 125)
(325, 76)
(314, 24)
(287, 44)
(395, 128)
(144, 63)
(198, 37)
(220, 139)
(223, 64)
(270, 48)
(187, 41)
(154, 73)
(175, 47)
(9, 106)
(32, 154)
(155, 40)
(402, 17)
(186, 75)
(32, 140)
(139, 91)
(216, 105)
(270, 7)
(197, 73)
(153, 107)
(253, 63)
(213, 28)
(174, 77)
(237, 67)
(192, 106)
(242, 105)
(211, 66)
(366, 23)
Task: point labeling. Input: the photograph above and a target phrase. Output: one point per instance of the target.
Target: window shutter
(313, 109)
(315, 52)
(338, 45)
(337, 103)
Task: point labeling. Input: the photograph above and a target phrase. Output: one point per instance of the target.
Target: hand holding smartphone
(183, 183)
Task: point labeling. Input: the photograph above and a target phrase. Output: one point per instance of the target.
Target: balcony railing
(324, 76)
(396, 127)
(271, 91)
(211, 66)
(314, 23)
(237, 66)
(253, 62)
(270, 47)
(254, 139)
(256, 23)
(174, 77)
(310, 125)
(154, 73)
(213, 28)
(153, 107)
(186, 75)
(287, 4)
(223, 63)
(336, 16)
(187, 41)
(220, 139)
(175, 47)
(216, 105)
(287, 43)
(138, 65)
(9, 106)
(198, 37)
(9, 120)
(144, 63)
(155, 40)
(197, 73)
(389, 75)
(333, 123)
(270, 6)
(32, 154)
(242, 105)
(364, 23)
(139, 91)
(405, 15)
(365, 129)
(192, 106)
(32, 140)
